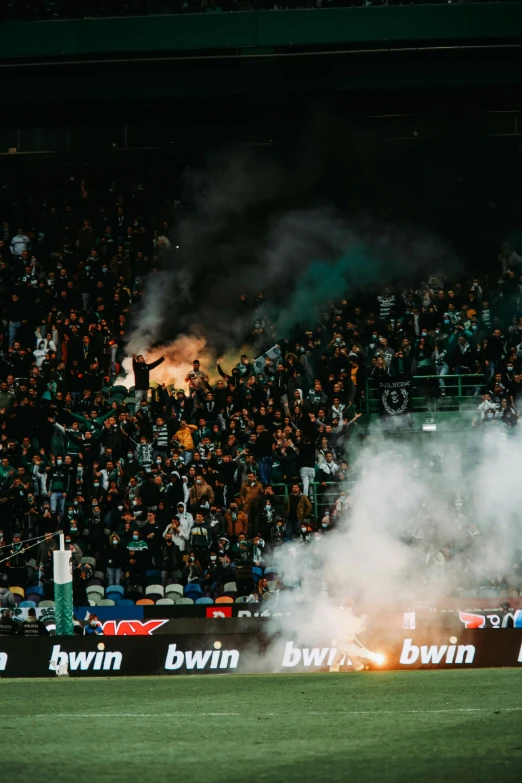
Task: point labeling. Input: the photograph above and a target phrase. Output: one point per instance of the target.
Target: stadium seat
(155, 589)
(126, 602)
(90, 602)
(271, 570)
(193, 587)
(224, 599)
(106, 602)
(145, 602)
(135, 592)
(46, 604)
(27, 605)
(153, 574)
(18, 591)
(98, 589)
(204, 601)
(99, 575)
(257, 571)
(37, 590)
(114, 589)
(116, 597)
(165, 602)
(230, 587)
(94, 581)
(242, 599)
(174, 589)
(184, 601)
(34, 598)
(118, 393)
(88, 561)
(17, 599)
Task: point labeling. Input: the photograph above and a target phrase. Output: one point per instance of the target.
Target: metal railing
(434, 393)
(321, 497)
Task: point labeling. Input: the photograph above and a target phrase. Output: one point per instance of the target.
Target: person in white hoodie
(48, 341)
(186, 520)
(40, 353)
(179, 537)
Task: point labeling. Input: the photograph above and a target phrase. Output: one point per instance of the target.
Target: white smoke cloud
(410, 533)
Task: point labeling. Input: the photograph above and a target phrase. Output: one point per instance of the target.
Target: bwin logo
(311, 656)
(443, 654)
(200, 659)
(83, 661)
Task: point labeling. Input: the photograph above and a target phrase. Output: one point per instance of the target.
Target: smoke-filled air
(414, 522)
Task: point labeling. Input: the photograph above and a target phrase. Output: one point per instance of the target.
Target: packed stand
(35, 10)
(185, 494)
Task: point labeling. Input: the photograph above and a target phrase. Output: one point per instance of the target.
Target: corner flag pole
(63, 594)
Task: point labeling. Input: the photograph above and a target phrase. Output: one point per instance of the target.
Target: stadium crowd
(31, 10)
(184, 487)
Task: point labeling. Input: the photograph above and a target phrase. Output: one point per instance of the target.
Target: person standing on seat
(141, 376)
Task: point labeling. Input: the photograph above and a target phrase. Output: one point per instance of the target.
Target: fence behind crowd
(435, 393)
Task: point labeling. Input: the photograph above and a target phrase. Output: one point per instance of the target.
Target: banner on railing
(253, 653)
(395, 398)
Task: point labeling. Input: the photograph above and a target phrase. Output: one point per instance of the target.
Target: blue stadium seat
(204, 601)
(154, 573)
(27, 605)
(37, 590)
(126, 602)
(193, 587)
(116, 597)
(114, 589)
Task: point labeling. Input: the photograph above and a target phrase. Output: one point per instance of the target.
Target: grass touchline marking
(253, 714)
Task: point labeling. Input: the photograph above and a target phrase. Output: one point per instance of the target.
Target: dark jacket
(263, 445)
(141, 373)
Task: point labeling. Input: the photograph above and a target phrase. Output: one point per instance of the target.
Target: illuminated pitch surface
(383, 726)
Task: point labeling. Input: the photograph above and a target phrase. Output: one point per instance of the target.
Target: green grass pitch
(425, 726)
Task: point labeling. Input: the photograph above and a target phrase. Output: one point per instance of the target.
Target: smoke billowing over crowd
(243, 268)
(243, 271)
